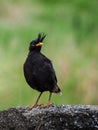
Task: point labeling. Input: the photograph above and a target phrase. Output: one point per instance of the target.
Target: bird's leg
(49, 103)
(36, 103)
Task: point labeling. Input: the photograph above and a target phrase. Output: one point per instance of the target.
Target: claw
(48, 105)
(41, 105)
(31, 107)
(34, 106)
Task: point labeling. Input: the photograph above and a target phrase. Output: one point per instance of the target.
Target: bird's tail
(57, 90)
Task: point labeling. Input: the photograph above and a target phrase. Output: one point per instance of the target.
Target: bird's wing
(44, 72)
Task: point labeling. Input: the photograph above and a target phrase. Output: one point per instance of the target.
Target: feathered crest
(40, 37)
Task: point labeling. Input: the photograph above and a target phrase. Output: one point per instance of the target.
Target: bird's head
(37, 43)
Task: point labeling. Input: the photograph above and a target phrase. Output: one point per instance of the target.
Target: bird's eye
(32, 45)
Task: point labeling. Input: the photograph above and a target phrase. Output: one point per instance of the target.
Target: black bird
(38, 70)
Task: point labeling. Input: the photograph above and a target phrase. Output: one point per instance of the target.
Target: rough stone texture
(63, 117)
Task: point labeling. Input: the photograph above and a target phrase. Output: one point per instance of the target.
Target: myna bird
(38, 70)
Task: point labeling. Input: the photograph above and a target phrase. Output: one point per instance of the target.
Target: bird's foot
(40, 105)
(48, 105)
(34, 106)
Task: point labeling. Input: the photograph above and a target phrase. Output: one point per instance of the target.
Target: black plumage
(38, 70)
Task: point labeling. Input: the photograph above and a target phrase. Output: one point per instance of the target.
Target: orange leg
(36, 103)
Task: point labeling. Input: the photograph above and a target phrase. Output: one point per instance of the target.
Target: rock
(63, 117)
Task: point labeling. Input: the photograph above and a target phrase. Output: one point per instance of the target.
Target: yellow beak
(39, 44)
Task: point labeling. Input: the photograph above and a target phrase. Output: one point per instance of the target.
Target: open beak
(39, 44)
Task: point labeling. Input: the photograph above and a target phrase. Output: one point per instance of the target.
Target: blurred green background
(71, 43)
